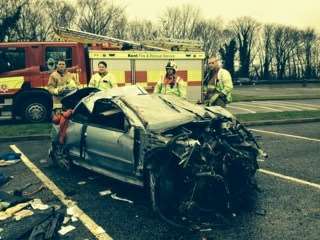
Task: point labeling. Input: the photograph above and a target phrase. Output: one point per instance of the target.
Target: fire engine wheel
(35, 111)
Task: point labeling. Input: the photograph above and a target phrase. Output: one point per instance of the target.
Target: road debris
(66, 229)
(105, 192)
(43, 161)
(37, 204)
(4, 179)
(115, 197)
(19, 192)
(261, 212)
(22, 214)
(66, 220)
(9, 158)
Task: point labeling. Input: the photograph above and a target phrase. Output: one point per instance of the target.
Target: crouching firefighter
(217, 85)
(171, 84)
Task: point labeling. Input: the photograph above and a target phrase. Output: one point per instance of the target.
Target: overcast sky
(300, 13)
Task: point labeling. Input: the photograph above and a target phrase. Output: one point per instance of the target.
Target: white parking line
(299, 105)
(95, 229)
(284, 106)
(285, 135)
(240, 108)
(305, 104)
(292, 179)
(259, 106)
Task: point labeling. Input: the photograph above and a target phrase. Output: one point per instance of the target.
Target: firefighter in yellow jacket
(61, 81)
(171, 84)
(102, 80)
(218, 85)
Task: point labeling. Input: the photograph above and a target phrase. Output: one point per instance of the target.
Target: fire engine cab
(25, 68)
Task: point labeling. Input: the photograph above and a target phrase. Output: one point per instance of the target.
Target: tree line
(247, 47)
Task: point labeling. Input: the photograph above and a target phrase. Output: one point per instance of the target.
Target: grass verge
(278, 115)
(11, 130)
(241, 98)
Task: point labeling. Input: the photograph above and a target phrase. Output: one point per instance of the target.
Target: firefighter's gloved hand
(60, 90)
(55, 91)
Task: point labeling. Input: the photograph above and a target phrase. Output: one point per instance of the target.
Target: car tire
(58, 156)
(162, 190)
(35, 111)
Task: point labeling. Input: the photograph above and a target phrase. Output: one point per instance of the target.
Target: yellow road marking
(285, 135)
(95, 229)
(292, 179)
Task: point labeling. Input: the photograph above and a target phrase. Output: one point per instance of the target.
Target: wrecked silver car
(189, 157)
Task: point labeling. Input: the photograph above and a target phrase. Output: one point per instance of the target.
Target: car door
(110, 140)
(76, 132)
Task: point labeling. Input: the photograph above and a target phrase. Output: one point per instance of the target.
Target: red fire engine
(25, 68)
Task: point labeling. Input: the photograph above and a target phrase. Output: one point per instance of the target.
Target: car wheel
(162, 188)
(35, 111)
(58, 156)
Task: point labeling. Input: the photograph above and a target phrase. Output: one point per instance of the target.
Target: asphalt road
(292, 210)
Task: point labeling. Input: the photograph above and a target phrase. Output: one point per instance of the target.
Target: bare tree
(267, 49)
(61, 13)
(245, 29)
(211, 34)
(286, 42)
(101, 17)
(10, 13)
(33, 24)
(142, 30)
(228, 51)
(180, 22)
(309, 38)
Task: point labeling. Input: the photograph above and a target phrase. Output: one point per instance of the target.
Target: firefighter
(217, 85)
(61, 81)
(103, 79)
(171, 84)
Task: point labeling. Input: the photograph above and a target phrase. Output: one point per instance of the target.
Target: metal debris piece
(66, 220)
(43, 161)
(65, 229)
(22, 214)
(37, 204)
(4, 205)
(82, 183)
(105, 192)
(11, 211)
(115, 197)
(42, 187)
(261, 212)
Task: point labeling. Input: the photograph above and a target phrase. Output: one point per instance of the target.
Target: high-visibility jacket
(58, 83)
(223, 84)
(179, 88)
(104, 82)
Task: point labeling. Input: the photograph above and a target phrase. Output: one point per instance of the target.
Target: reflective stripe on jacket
(179, 89)
(102, 83)
(223, 84)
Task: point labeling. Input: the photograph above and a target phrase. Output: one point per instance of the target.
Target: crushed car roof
(156, 112)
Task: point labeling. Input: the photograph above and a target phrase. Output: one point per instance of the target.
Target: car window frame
(89, 123)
